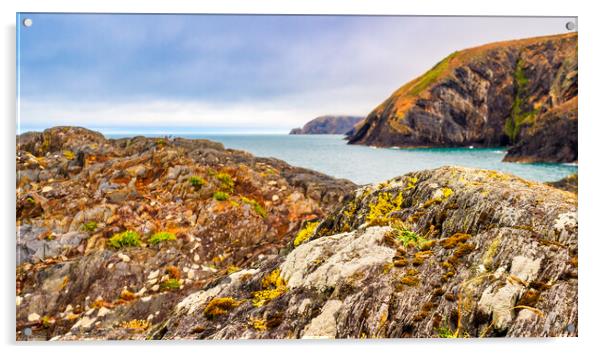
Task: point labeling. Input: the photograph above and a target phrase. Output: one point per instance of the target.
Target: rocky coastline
(328, 125)
(162, 238)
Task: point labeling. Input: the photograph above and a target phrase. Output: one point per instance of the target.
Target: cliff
(328, 125)
(492, 95)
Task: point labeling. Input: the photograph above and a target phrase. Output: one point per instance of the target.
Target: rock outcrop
(328, 125)
(452, 252)
(552, 137)
(111, 234)
(145, 238)
(507, 93)
(569, 183)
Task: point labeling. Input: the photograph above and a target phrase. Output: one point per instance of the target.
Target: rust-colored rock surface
(195, 211)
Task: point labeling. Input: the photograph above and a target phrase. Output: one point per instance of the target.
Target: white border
(590, 196)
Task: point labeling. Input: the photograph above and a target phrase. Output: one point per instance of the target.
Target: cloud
(263, 72)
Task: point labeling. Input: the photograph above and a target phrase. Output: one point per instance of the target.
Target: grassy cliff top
(405, 97)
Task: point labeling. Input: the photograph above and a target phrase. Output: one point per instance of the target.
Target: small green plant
(170, 284)
(125, 239)
(162, 236)
(226, 180)
(305, 233)
(445, 332)
(89, 226)
(408, 237)
(256, 206)
(221, 196)
(197, 182)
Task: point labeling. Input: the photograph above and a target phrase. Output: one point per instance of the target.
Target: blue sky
(228, 73)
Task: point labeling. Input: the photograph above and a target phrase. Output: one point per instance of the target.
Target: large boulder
(452, 252)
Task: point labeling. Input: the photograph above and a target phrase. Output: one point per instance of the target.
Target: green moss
(125, 239)
(432, 75)
(408, 237)
(221, 196)
(226, 180)
(518, 116)
(255, 205)
(306, 232)
(197, 182)
(445, 332)
(162, 236)
(170, 284)
(89, 226)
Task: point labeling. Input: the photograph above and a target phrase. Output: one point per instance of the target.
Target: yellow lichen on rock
(220, 306)
(305, 233)
(378, 215)
(272, 286)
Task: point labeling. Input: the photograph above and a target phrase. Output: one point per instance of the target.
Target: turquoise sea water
(331, 155)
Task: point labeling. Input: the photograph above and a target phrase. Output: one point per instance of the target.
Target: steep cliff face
(328, 125)
(452, 252)
(483, 96)
(111, 234)
(552, 137)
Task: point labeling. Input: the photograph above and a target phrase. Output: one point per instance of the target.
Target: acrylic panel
(190, 176)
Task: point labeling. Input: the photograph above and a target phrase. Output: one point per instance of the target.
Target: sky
(120, 73)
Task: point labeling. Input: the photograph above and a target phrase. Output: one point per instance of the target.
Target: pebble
(123, 257)
(146, 298)
(275, 198)
(33, 317)
(46, 189)
(153, 274)
(155, 287)
(197, 258)
(141, 292)
(19, 300)
(84, 322)
(103, 311)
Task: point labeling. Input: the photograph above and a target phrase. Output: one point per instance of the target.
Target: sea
(330, 154)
